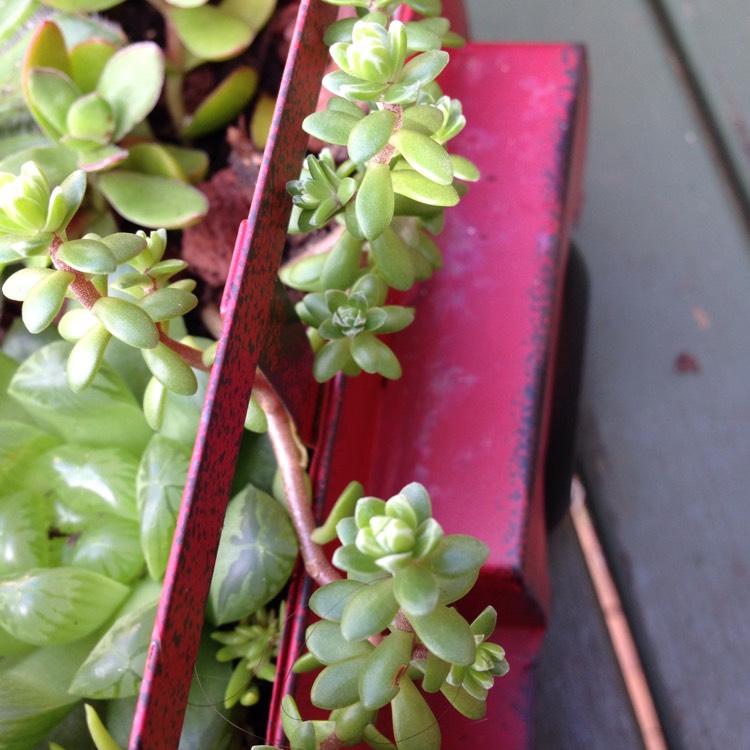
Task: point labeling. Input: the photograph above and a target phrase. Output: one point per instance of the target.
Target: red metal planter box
(470, 417)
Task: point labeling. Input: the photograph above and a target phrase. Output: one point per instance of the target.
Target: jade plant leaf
(446, 634)
(414, 724)
(380, 677)
(131, 83)
(87, 61)
(127, 322)
(324, 641)
(369, 611)
(170, 369)
(87, 354)
(159, 485)
(211, 33)
(330, 125)
(423, 154)
(411, 184)
(337, 685)
(51, 93)
(49, 606)
(44, 300)
(329, 601)
(374, 202)
(153, 201)
(257, 552)
(393, 260)
(370, 135)
(223, 104)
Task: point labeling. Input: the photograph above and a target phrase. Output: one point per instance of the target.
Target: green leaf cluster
(389, 627)
(389, 194)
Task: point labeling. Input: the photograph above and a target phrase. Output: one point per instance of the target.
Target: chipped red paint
(470, 416)
(247, 301)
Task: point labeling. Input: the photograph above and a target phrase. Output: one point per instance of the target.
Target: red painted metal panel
(247, 301)
(469, 418)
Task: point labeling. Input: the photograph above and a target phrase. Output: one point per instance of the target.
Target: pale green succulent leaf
(374, 201)
(370, 135)
(86, 357)
(413, 185)
(379, 681)
(44, 300)
(170, 369)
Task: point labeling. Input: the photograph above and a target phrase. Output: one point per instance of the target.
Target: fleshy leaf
(457, 555)
(416, 590)
(380, 677)
(49, 606)
(257, 552)
(418, 187)
(330, 126)
(374, 201)
(23, 532)
(370, 135)
(324, 641)
(153, 201)
(209, 33)
(424, 155)
(87, 256)
(373, 356)
(44, 300)
(369, 611)
(393, 260)
(329, 601)
(414, 725)
(131, 83)
(127, 322)
(336, 685)
(171, 370)
(447, 635)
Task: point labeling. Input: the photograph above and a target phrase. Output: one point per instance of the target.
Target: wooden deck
(665, 417)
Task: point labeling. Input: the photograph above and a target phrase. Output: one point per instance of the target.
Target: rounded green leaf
(88, 58)
(257, 552)
(49, 606)
(424, 155)
(413, 185)
(369, 611)
(435, 673)
(127, 322)
(75, 323)
(414, 725)
(44, 300)
(424, 118)
(423, 68)
(446, 634)
(171, 370)
(168, 303)
(159, 486)
(330, 600)
(51, 94)
(86, 357)
(131, 83)
(337, 685)
(330, 126)
(19, 284)
(304, 273)
(331, 359)
(343, 263)
(383, 667)
(323, 640)
(416, 590)
(124, 246)
(374, 201)
(463, 169)
(373, 356)
(370, 135)
(210, 33)
(87, 256)
(153, 201)
(393, 260)
(91, 118)
(458, 554)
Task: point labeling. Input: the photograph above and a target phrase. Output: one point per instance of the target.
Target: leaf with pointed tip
(463, 169)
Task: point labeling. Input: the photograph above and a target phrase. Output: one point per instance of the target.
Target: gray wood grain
(580, 701)
(665, 433)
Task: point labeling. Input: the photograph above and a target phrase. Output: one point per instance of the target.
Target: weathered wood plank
(666, 407)
(580, 701)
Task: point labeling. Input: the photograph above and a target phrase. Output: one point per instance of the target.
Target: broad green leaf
(414, 725)
(423, 68)
(92, 481)
(114, 668)
(127, 322)
(159, 486)
(49, 606)
(370, 135)
(34, 692)
(329, 601)
(209, 33)
(223, 104)
(424, 155)
(413, 185)
(10, 410)
(424, 118)
(393, 260)
(351, 723)
(51, 93)
(168, 303)
(20, 445)
(254, 12)
(111, 547)
(124, 246)
(24, 523)
(416, 590)
(446, 634)
(131, 83)
(330, 126)
(153, 159)
(374, 201)
(369, 611)
(90, 118)
(106, 413)
(331, 359)
(337, 685)
(257, 552)
(153, 201)
(324, 641)
(44, 300)
(182, 413)
(383, 668)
